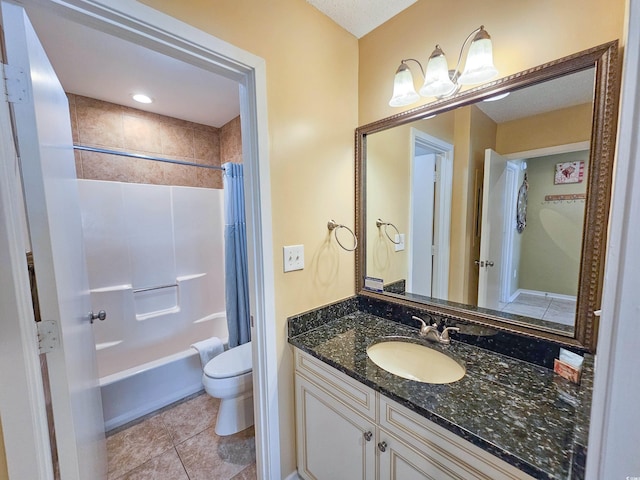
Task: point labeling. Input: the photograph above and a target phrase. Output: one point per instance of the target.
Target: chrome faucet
(430, 332)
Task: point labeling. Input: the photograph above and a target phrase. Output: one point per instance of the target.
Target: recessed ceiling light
(142, 98)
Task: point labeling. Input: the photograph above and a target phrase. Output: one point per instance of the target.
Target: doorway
(149, 28)
(430, 215)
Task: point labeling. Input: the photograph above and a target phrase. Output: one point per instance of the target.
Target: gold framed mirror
(495, 212)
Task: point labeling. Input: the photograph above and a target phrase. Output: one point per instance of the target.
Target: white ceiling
(98, 65)
(359, 17)
(567, 91)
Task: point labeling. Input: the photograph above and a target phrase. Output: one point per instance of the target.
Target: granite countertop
(518, 411)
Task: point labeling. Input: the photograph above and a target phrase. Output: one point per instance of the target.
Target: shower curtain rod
(144, 157)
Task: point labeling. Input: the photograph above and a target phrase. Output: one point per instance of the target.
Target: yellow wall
(474, 132)
(388, 189)
(560, 127)
(524, 33)
(312, 68)
(388, 193)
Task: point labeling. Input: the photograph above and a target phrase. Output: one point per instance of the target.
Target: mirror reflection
(484, 205)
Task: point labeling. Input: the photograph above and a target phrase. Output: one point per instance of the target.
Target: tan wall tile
(101, 127)
(141, 134)
(207, 147)
(231, 142)
(98, 123)
(177, 141)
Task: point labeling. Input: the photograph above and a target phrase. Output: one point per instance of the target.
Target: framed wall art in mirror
(450, 175)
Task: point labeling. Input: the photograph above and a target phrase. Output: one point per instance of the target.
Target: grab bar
(146, 289)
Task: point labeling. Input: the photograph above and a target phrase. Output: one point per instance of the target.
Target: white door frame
(614, 432)
(150, 28)
(22, 405)
(442, 210)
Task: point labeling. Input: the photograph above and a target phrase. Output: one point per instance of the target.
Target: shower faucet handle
(101, 315)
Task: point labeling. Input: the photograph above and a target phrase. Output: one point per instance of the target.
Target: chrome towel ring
(381, 223)
(333, 226)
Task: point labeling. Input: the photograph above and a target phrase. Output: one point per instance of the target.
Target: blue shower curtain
(235, 255)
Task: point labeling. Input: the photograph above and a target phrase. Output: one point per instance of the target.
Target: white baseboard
(538, 293)
(293, 476)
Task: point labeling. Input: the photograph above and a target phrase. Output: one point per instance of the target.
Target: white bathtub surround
(207, 349)
(156, 265)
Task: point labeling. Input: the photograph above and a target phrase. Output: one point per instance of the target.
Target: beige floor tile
(248, 473)
(166, 466)
(136, 445)
(191, 417)
(209, 457)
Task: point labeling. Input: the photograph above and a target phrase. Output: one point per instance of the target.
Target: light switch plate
(293, 257)
(399, 245)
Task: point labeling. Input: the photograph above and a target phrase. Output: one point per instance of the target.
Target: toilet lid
(231, 363)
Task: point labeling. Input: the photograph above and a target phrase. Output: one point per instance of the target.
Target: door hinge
(48, 336)
(15, 84)
(434, 249)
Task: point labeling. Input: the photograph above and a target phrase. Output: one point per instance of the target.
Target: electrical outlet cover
(293, 257)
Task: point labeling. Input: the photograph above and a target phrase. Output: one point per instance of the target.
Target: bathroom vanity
(505, 419)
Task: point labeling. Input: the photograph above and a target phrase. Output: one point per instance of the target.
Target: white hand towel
(208, 349)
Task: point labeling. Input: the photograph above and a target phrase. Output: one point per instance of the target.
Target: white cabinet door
(43, 133)
(398, 461)
(334, 442)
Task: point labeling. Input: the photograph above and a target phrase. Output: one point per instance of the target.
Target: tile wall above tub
(106, 125)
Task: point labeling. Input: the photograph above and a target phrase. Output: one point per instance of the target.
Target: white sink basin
(415, 362)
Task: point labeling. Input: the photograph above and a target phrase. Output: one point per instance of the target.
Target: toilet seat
(231, 363)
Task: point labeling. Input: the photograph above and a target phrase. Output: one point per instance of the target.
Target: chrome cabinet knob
(382, 446)
(101, 315)
(367, 436)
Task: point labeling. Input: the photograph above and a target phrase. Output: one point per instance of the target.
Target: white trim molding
(614, 432)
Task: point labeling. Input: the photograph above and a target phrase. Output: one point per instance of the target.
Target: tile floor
(543, 307)
(179, 443)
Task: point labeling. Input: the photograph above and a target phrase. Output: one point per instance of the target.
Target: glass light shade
(479, 66)
(404, 93)
(437, 82)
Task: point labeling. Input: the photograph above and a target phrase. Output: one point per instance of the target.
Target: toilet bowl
(228, 377)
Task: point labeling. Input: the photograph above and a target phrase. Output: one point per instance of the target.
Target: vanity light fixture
(441, 82)
(141, 98)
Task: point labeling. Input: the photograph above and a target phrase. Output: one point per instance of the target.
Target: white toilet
(228, 377)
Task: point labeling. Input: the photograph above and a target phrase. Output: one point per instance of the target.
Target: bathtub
(155, 259)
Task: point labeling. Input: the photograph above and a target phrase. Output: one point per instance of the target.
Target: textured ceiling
(359, 17)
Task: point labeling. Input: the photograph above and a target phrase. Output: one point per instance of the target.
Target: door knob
(101, 315)
(367, 436)
(382, 446)
(488, 263)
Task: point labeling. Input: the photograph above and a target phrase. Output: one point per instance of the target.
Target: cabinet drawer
(443, 447)
(335, 383)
